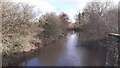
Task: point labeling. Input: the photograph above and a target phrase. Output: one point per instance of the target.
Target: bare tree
(102, 19)
(64, 20)
(27, 13)
(79, 20)
(15, 23)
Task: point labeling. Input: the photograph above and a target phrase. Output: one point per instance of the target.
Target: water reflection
(71, 55)
(68, 52)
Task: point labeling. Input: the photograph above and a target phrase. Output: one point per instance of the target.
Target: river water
(68, 52)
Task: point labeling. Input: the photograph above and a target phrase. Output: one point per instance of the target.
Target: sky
(71, 7)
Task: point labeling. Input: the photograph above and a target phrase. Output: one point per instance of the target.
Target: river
(68, 52)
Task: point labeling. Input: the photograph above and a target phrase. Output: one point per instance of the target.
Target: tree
(15, 15)
(79, 19)
(52, 25)
(15, 24)
(97, 9)
(27, 13)
(101, 19)
(64, 20)
(64, 17)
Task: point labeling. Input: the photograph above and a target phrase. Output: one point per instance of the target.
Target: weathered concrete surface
(119, 29)
(113, 47)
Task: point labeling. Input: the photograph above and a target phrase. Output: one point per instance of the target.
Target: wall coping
(114, 34)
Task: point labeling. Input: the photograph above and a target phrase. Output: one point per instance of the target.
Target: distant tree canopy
(79, 20)
(64, 20)
(54, 24)
(51, 24)
(64, 17)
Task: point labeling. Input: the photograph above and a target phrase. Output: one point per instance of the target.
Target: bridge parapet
(113, 50)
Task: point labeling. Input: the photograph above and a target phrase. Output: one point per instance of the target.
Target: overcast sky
(71, 7)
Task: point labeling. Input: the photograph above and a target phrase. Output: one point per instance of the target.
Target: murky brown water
(68, 52)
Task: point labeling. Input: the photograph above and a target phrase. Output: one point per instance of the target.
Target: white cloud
(71, 13)
(44, 6)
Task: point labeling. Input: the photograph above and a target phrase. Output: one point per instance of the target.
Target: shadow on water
(68, 52)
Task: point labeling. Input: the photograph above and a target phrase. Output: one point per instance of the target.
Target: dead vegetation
(101, 18)
(22, 31)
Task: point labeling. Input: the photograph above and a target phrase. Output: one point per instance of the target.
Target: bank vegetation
(23, 29)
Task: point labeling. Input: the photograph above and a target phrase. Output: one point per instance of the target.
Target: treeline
(98, 19)
(23, 28)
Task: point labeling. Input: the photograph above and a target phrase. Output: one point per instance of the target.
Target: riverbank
(12, 58)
